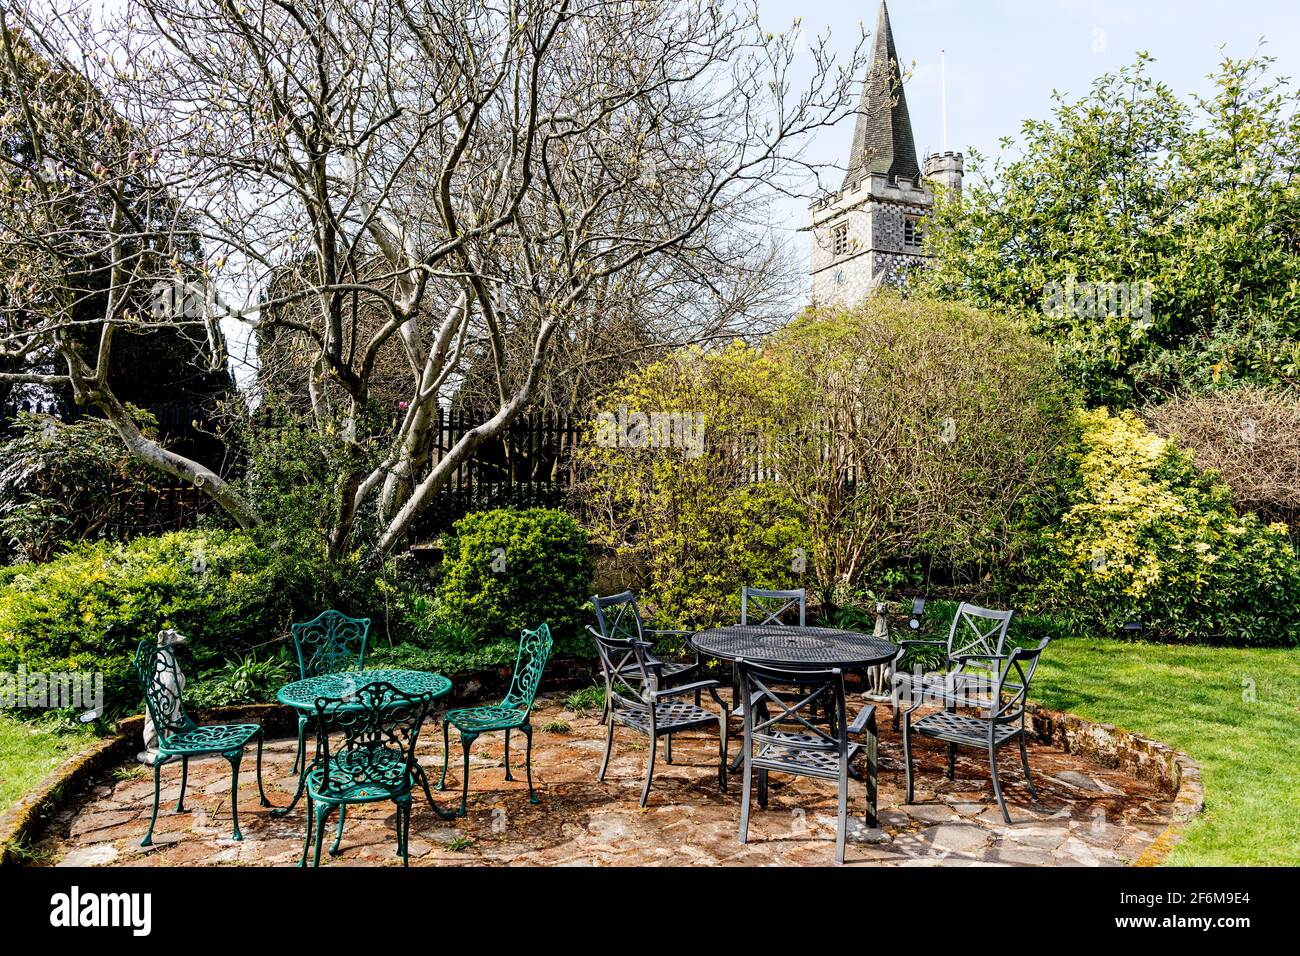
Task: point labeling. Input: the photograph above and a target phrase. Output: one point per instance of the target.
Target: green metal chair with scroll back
(328, 643)
(511, 714)
(379, 727)
(180, 738)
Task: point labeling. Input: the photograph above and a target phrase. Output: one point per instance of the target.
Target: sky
(1003, 59)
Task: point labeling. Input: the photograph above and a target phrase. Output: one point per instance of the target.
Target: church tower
(870, 232)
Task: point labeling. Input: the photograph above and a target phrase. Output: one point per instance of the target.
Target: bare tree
(461, 181)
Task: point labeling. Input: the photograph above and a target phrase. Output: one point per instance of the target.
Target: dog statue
(174, 681)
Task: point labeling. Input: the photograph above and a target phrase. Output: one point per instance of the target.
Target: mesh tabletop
(794, 646)
(302, 694)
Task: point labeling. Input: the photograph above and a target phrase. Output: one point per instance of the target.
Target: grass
(1235, 711)
(30, 751)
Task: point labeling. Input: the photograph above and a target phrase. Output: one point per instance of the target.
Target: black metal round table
(795, 647)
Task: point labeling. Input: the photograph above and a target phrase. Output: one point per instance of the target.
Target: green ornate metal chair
(328, 643)
(511, 714)
(180, 738)
(379, 728)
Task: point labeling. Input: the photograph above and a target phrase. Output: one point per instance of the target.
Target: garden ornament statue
(878, 678)
(166, 638)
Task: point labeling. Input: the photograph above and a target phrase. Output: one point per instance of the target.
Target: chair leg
(234, 793)
(528, 763)
(157, 787)
(306, 842)
(609, 746)
(260, 790)
(508, 777)
(952, 760)
(997, 787)
(185, 776)
(338, 837)
(668, 750)
(406, 835)
(744, 799)
(322, 818)
(466, 741)
(907, 754)
(762, 789)
(649, 769)
(300, 754)
(843, 819)
(873, 774)
(1024, 763)
(401, 819)
(446, 756)
(722, 752)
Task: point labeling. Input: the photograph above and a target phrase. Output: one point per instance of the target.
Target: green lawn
(1235, 712)
(29, 752)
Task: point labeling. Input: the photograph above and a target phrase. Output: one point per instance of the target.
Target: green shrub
(246, 680)
(505, 570)
(688, 516)
(928, 434)
(1148, 536)
(87, 609)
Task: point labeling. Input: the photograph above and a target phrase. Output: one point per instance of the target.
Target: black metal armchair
(619, 618)
(1002, 722)
(781, 735)
(975, 639)
(636, 698)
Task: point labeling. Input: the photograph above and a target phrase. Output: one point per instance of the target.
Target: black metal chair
(772, 605)
(997, 725)
(976, 638)
(781, 735)
(619, 618)
(636, 698)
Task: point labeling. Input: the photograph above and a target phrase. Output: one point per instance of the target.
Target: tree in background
(462, 179)
(929, 435)
(66, 197)
(1134, 188)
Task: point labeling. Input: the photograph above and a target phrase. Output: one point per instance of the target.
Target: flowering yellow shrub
(1148, 537)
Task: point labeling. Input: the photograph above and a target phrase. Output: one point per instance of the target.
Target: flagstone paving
(1086, 815)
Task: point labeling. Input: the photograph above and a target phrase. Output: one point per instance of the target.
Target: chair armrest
(864, 715)
(963, 658)
(686, 688)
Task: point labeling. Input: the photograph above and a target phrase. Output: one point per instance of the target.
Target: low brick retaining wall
(1109, 746)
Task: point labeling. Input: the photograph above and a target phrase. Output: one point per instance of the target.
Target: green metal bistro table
(301, 696)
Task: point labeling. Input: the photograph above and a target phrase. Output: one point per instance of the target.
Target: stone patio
(1087, 816)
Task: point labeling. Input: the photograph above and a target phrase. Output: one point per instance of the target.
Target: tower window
(840, 239)
(912, 231)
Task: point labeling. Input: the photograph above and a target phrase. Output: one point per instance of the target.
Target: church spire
(882, 141)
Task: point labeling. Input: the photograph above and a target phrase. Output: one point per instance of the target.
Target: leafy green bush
(87, 609)
(62, 482)
(687, 514)
(927, 434)
(246, 680)
(1148, 536)
(504, 570)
